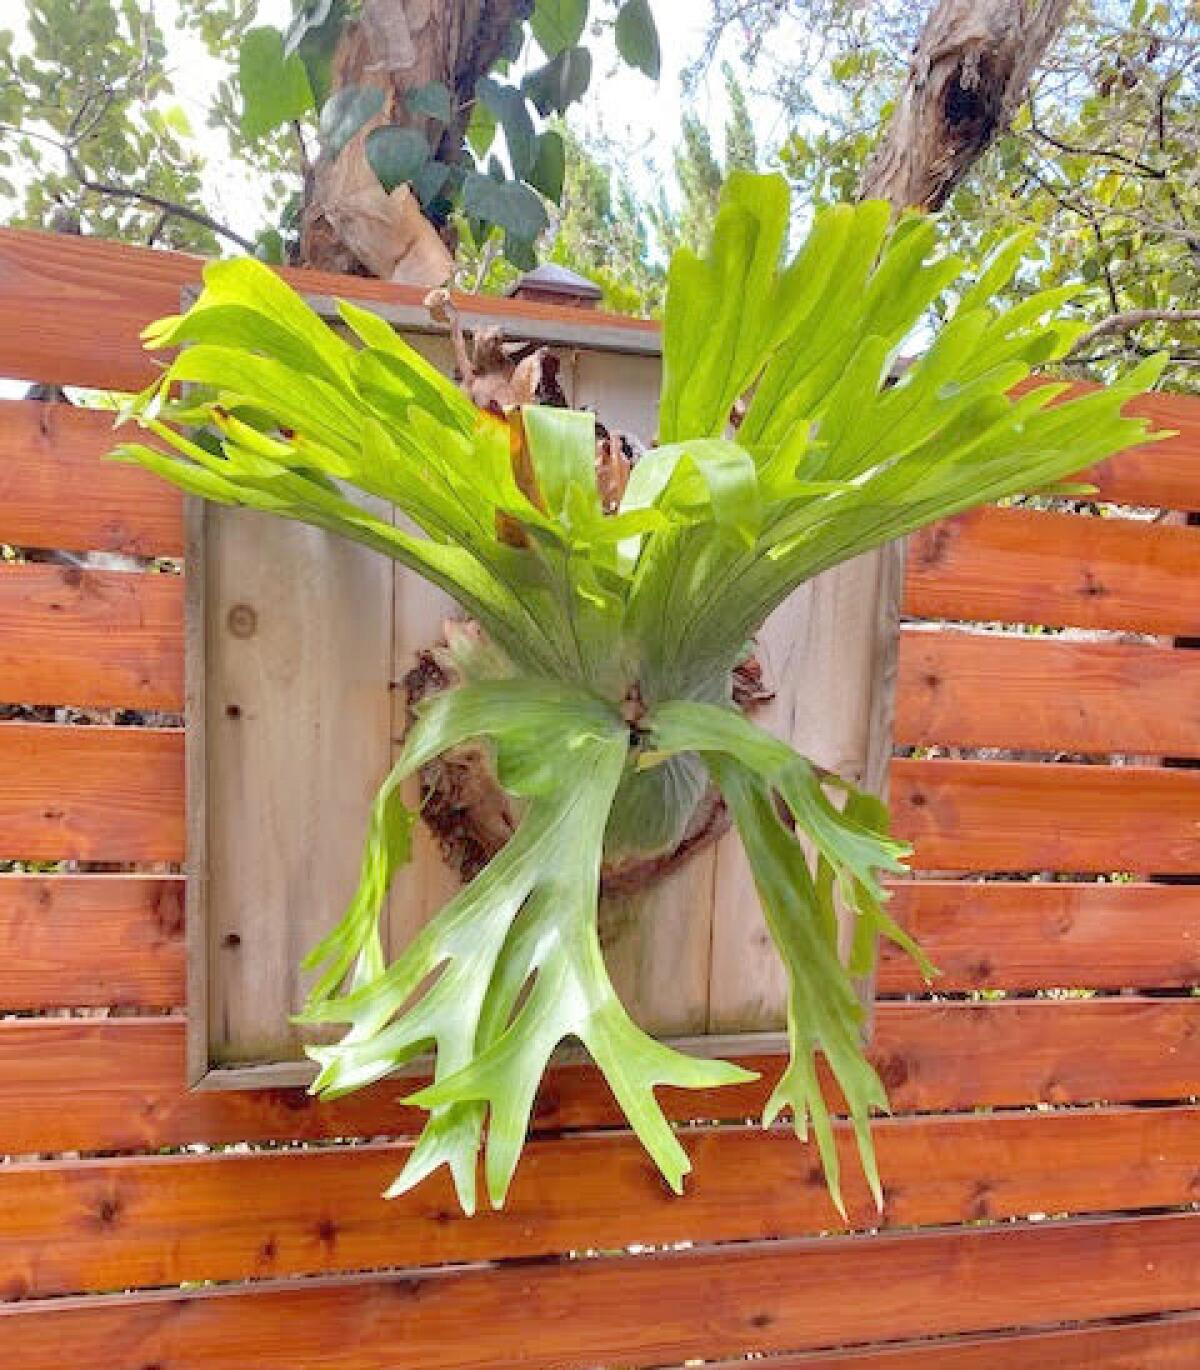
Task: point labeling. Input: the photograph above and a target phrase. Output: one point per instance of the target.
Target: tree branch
(970, 72)
(1131, 319)
(177, 211)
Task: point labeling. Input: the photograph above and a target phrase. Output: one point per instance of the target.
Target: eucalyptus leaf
(509, 107)
(396, 155)
(514, 207)
(637, 37)
(275, 88)
(558, 24)
(433, 100)
(563, 80)
(549, 169)
(344, 113)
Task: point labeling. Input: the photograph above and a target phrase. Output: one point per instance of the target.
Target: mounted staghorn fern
(603, 686)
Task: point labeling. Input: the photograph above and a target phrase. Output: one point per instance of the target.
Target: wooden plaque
(296, 643)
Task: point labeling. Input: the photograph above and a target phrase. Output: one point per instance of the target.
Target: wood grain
(1171, 1342)
(290, 659)
(637, 1310)
(1018, 935)
(119, 1084)
(70, 941)
(93, 793)
(55, 491)
(828, 653)
(91, 299)
(82, 940)
(1064, 570)
(1023, 816)
(1047, 694)
(98, 639)
(140, 1222)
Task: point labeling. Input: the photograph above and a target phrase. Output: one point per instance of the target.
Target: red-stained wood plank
(1046, 694)
(69, 941)
(636, 1311)
(144, 1222)
(1021, 935)
(1163, 474)
(119, 1084)
(90, 300)
(116, 794)
(55, 491)
(1029, 566)
(90, 793)
(88, 940)
(1171, 1342)
(1026, 816)
(99, 639)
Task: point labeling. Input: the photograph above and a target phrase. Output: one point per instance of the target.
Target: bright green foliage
(596, 620)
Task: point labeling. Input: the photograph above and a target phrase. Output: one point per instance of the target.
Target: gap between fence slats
(138, 1222)
(640, 1310)
(119, 1084)
(116, 794)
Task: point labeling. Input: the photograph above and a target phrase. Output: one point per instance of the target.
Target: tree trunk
(970, 72)
(351, 225)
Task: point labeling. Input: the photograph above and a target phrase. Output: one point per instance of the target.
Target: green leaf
(430, 181)
(274, 89)
(396, 155)
(434, 101)
(562, 81)
(481, 129)
(637, 37)
(582, 615)
(550, 166)
(344, 113)
(514, 207)
(558, 24)
(509, 106)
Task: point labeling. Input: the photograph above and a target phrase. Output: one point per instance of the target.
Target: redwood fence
(1042, 1171)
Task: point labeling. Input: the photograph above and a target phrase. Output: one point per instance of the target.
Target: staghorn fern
(610, 711)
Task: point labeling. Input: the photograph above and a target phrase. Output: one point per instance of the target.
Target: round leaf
(550, 167)
(558, 24)
(345, 112)
(560, 82)
(637, 37)
(274, 89)
(433, 101)
(396, 154)
(509, 106)
(513, 206)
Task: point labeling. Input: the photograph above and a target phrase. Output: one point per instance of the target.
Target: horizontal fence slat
(118, 1084)
(1169, 1342)
(1063, 570)
(1021, 935)
(639, 1310)
(97, 639)
(55, 491)
(1028, 816)
(89, 300)
(116, 794)
(86, 940)
(90, 793)
(91, 941)
(1047, 694)
(170, 1220)
(1162, 474)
